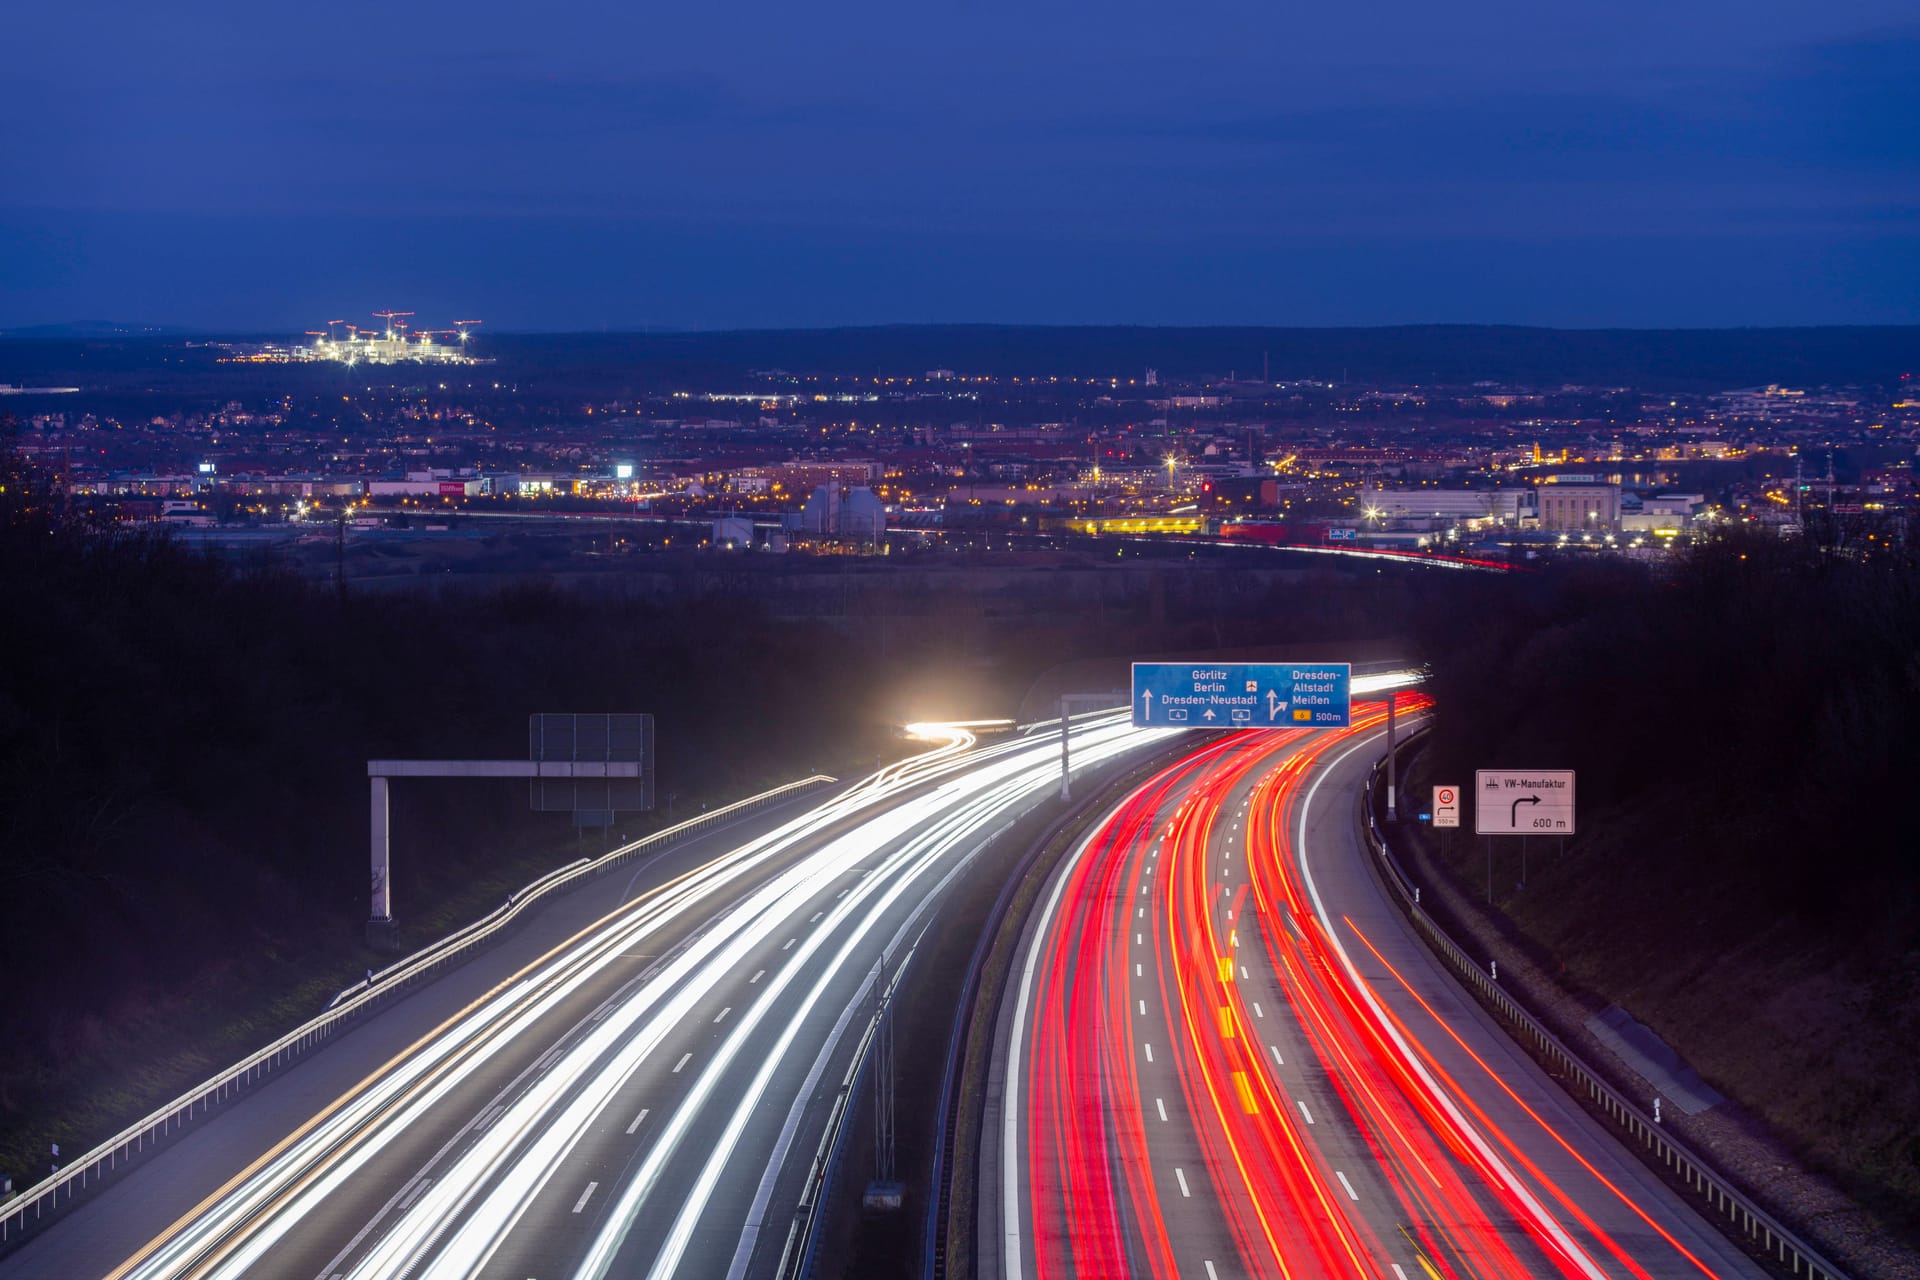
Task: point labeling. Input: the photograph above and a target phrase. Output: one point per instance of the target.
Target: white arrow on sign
(1208, 714)
(1146, 704)
(1273, 705)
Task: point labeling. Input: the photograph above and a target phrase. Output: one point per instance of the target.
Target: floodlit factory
(393, 343)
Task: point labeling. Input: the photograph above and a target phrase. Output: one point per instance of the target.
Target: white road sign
(1446, 806)
(1523, 802)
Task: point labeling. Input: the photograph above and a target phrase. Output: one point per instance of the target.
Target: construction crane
(397, 341)
(391, 317)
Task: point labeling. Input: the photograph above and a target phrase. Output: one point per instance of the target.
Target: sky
(745, 163)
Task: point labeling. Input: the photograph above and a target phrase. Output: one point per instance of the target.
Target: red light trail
(1185, 947)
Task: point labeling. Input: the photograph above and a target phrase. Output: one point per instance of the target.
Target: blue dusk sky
(752, 164)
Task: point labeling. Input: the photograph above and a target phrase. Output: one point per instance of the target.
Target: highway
(644, 1098)
(1225, 1053)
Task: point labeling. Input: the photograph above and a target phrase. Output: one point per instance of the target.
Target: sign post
(1521, 802)
(1245, 695)
(1393, 809)
(1067, 702)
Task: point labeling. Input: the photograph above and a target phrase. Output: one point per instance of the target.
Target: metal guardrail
(1712, 1190)
(45, 1199)
(798, 1256)
(933, 1263)
(937, 1232)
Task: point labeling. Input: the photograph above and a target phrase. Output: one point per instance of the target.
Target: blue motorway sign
(1242, 695)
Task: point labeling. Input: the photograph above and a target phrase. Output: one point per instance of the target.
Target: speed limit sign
(1446, 806)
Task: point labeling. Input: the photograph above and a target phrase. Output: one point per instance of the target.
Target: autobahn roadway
(646, 1097)
(1226, 1053)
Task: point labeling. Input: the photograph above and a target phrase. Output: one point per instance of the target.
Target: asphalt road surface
(1227, 1054)
(635, 1084)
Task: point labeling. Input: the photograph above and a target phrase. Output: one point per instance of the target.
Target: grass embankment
(1742, 880)
(119, 1067)
(183, 795)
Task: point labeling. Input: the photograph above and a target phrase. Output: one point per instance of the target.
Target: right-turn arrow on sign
(1523, 802)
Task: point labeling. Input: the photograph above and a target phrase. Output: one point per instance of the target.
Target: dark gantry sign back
(586, 740)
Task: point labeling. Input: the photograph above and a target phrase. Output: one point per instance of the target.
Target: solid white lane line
(723, 1013)
(1351, 1193)
(1181, 1174)
(1303, 1110)
(685, 1058)
(1546, 1221)
(1010, 1146)
(414, 1194)
(758, 974)
(636, 1120)
(586, 1195)
(1149, 1049)
(1160, 1105)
